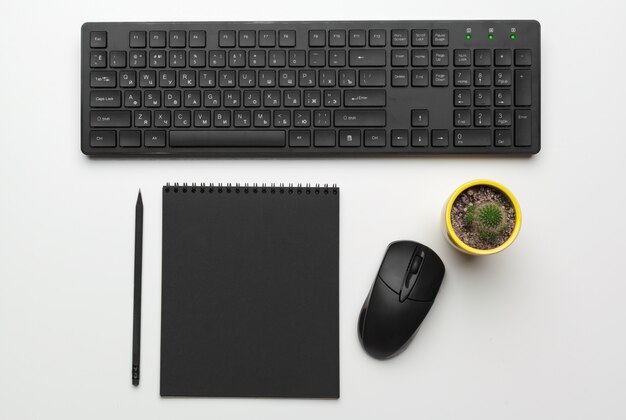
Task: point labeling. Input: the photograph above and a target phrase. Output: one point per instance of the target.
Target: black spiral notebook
(250, 291)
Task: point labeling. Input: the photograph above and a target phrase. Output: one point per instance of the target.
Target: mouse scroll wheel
(415, 265)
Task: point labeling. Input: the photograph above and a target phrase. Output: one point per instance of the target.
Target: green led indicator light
(468, 36)
(513, 36)
(490, 37)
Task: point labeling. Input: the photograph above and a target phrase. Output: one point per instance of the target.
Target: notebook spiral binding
(250, 188)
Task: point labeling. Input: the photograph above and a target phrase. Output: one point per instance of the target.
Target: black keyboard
(306, 89)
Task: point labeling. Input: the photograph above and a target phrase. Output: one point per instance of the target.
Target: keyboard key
(399, 138)
(462, 58)
(317, 38)
(399, 78)
(217, 59)
(154, 138)
(321, 118)
(347, 78)
(360, 118)
(302, 118)
(419, 138)
(256, 58)
(276, 58)
(98, 59)
(157, 39)
(440, 37)
(482, 77)
(102, 79)
(349, 138)
(197, 39)
(143, 118)
(482, 118)
(130, 138)
(178, 39)
(157, 59)
(419, 118)
(523, 128)
(102, 138)
(297, 58)
(117, 59)
(482, 58)
(247, 39)
(105, 99)
(523, 84)
(182, 119)
(299, 138)
(230, 138)
(242, 119)
(287, 39)
(399, 58)
(324, 138)
(440, 138)
(337, 38)
(502, 97)
(462, 97)
(227, 39)
(482, 97)
(378, 37)
(503, 58)
(317, 58)
(462, 77)
(374, 138)
(419, 78)
(462, 118)
(162, 119)
(98, 39)
(128, 78)
(137, 59)
(137, 39)
(399, 38)
(440, 77)
(373, 78)
(419, 37)
(419, 58)
(262, 118)
(472, 138)
(109, 118)
(502, 138)
(502, 77)
(503, 118)
(367, 58)
(523, 57)
(357, 37)
(364, 97)
(440, 58)
(267, 39)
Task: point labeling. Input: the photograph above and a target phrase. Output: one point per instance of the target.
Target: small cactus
(489, 219)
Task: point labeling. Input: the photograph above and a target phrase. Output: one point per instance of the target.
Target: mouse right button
(430, 277)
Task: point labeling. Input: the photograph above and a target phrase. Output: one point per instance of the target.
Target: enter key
(364, 97)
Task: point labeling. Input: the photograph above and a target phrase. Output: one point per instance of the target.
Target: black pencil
(137, 296)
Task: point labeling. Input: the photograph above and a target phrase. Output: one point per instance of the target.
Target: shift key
(361, 118)
(110, 118)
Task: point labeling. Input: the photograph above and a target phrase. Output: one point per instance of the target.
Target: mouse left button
(396, 263)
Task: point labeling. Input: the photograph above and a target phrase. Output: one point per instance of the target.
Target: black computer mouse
(404, 290)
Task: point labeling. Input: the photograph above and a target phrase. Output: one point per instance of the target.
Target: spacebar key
(214, 138)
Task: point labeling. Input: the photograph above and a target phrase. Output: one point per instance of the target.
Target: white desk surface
(535, 332)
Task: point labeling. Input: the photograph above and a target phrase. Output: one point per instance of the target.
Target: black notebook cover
(250, 298)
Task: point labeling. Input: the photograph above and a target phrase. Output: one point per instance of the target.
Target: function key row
(284, 38)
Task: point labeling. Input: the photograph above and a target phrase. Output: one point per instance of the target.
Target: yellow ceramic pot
(452, 237)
